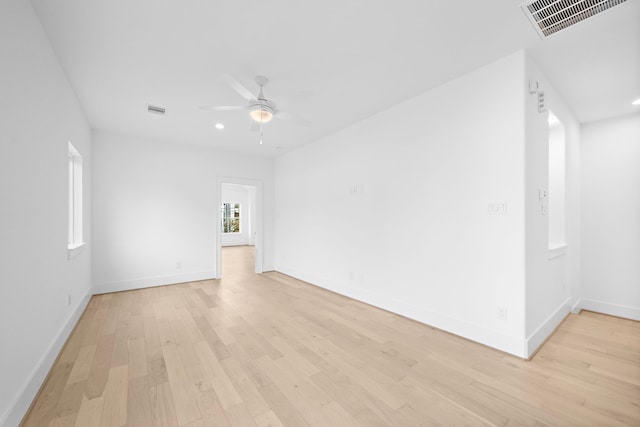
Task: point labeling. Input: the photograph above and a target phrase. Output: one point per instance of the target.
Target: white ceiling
(332, 62)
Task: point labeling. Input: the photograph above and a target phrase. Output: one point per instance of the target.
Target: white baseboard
(25, 396)
(496, 339)
(611, 309)
(268, 267)
(539, 336)
(149, 282)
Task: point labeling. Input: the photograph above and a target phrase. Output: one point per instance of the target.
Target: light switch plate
(497, 208)
(542, 193)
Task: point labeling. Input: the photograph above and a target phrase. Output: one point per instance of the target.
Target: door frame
(259, 221)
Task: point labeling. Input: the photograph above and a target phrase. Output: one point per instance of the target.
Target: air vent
(156, 110)
(550, 16)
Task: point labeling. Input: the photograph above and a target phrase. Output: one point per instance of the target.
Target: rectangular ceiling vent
(156, 110)
(550, 16)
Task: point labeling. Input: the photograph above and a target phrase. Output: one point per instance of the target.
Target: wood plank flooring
(268, 350)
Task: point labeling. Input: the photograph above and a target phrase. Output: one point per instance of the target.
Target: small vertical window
(230, 218)
(557, 183)
(75, 199)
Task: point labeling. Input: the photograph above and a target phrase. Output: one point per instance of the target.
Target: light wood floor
(269, 350)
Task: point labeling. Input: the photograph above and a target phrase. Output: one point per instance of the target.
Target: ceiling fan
(261, 110)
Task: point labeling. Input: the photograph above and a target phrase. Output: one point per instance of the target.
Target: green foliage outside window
(230, 217)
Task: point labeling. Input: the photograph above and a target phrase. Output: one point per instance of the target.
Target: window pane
(74, 236)
(230, 218)
(70, 212)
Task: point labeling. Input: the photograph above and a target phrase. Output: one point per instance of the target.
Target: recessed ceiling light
(636, 102)
(219, 126)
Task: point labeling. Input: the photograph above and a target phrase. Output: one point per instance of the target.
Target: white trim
(19, 407)
(557, 250)
(149, 282)
(603, 307)
(539, 336)
(268, 267)
(75, 250)
(575, 308)
(489, 337)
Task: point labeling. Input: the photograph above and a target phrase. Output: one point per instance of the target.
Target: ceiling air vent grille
(550, 16)
(156, 110)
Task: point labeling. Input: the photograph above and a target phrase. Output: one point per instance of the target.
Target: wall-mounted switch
(355, 189)
(497, 208)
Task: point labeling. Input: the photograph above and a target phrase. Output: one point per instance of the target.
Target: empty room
(345, 213)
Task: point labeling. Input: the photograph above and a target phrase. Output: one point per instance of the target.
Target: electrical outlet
(69, 300)
(179, 265)
(501, 313)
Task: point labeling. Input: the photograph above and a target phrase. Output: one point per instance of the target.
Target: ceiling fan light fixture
(261, 113)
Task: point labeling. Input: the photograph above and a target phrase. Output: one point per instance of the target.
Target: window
(557, 183)
(75, 199)
(230, 218)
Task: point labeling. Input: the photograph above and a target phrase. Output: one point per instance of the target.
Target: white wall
(234, 193)
(155, 210)
(553, 277)
(611, 216)
(393, 210)
(39, 114)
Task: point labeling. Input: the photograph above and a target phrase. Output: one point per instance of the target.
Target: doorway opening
(239, 231)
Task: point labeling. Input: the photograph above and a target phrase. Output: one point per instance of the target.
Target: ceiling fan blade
(295, 97)
(295, 119)
(237, 86)
(222, 107)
